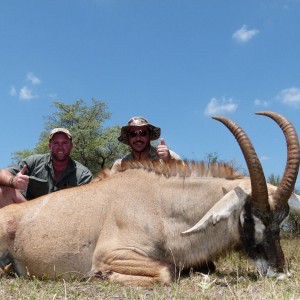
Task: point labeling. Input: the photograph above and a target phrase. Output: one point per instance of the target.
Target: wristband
(11, 182)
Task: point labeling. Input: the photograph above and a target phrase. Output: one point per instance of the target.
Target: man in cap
(138, 134)
(40, 174)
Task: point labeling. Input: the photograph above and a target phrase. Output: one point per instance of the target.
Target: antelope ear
(233, 201)
(294, 204)
(224, 191)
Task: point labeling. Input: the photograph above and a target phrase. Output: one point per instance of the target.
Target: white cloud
(264, 158)
(216, 106)
(26, 93)
(290, 96)
(13, 91)
(33, 79)
(258, 102)
(244, 35)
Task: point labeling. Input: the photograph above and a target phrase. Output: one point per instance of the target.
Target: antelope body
(139, 227)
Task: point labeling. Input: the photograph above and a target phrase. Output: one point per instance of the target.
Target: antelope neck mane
(183, 168)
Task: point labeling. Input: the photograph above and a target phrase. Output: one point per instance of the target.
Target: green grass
(235, 278)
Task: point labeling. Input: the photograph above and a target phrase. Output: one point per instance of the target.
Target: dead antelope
(140, 225)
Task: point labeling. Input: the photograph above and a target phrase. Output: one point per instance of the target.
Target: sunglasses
(138, 132)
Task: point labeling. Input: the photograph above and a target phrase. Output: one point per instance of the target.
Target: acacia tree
(213, 158)
(292, 223)
(95, 146)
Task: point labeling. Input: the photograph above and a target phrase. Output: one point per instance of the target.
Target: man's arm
(6, 178)
(85, 176)
(18, 181)
(165, 153)
(116, 166)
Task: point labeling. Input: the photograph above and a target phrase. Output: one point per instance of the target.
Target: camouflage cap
(62, 130)
(136, 122)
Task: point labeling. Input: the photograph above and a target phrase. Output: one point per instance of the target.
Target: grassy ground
(235, 279)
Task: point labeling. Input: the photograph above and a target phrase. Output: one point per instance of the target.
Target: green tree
(17, 155)
(273, 179)
(213, 158)
(292, 223)
(95, 146)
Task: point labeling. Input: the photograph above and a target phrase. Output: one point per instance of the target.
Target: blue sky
(176, 63)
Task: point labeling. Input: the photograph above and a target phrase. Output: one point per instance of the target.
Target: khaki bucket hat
(136, 122)
(62, 130)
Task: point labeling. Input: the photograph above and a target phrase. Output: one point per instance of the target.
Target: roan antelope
(141, 225)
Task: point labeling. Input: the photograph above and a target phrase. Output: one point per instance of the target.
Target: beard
(139, 146)
(61, 157)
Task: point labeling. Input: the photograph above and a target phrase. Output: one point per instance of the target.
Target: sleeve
(17, 168)
(174, 155)
(86, 176)
(116, 166)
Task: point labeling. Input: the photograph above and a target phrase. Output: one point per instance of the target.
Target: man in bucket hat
(40, 174)
(138, 134)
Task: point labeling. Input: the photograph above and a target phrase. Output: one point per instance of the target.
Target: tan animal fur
(57, 233)
(136, 226)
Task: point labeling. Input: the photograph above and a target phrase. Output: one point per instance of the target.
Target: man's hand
(20, 181)
(162, 150)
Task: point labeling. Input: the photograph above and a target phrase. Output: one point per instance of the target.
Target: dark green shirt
(41, 173)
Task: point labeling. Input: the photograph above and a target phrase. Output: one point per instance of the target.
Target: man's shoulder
(80, 166)
(127, 156)
(36, 158)
(116, 165)
(82, 173)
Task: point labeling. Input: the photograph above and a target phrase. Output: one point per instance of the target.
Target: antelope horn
(288, 181)
(257, 177)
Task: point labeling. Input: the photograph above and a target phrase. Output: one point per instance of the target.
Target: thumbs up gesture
(21, 180)
(162, 150)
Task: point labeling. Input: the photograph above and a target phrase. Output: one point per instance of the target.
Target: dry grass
(235, 279)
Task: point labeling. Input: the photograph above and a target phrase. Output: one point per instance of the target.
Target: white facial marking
(259, 229)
